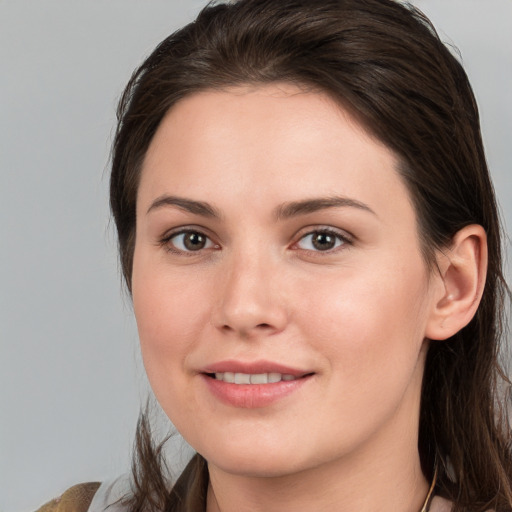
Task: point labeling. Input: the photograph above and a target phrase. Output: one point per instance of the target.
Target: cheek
(168, 322)
(170, 315)
(373, 320)
(370, 332)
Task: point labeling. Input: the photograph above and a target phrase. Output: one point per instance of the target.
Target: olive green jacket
(76, 499)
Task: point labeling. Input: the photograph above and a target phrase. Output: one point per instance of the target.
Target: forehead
(273, 143)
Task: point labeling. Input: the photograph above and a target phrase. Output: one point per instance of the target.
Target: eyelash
(167, 242)
(341, 240)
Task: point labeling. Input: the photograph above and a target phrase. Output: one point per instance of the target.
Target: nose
(250, 299)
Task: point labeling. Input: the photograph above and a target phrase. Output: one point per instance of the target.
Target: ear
(459, 284)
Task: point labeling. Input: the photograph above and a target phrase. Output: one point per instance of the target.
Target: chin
(258, 459)
(264, 466)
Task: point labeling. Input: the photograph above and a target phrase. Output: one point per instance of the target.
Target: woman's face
(277, 247)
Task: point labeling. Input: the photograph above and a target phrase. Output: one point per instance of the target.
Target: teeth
(259, 378)
(228, 377)
(242, 378)
(274, 377)
(255, 378)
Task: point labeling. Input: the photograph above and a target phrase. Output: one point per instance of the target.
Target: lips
(253, 385)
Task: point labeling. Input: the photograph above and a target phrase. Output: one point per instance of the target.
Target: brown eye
(194, 241)
(321, 241)
(190, 241)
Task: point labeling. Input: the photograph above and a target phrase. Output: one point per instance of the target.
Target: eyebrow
(282, 212)
(296, 208)
(189, 205)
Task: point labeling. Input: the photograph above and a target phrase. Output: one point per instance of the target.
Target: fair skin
(273, 232)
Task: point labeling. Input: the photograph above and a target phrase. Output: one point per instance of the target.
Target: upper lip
(254, 367)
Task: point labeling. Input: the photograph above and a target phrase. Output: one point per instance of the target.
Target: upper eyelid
(342, 233)
(167, 235)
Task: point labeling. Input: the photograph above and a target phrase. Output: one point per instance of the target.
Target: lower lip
(252, 396)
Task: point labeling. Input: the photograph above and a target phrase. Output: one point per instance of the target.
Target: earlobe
(463, 269)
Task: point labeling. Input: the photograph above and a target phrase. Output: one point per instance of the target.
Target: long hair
(384, 62)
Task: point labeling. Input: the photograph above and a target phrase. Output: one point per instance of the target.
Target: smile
(253, 385)
(254, 378)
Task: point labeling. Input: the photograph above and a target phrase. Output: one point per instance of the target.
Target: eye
(321, 240)
(188, 241)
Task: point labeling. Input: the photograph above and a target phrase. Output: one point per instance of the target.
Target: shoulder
(92, 497)
(75, 499)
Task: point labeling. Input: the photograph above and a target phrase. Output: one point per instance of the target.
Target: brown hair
(384, 62)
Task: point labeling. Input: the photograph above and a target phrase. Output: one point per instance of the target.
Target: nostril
(246, 332)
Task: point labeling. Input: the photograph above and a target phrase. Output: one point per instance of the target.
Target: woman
(309, 233)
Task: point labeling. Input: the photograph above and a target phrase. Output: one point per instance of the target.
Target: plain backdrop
(71, 382)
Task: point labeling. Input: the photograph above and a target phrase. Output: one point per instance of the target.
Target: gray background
(70, 377)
